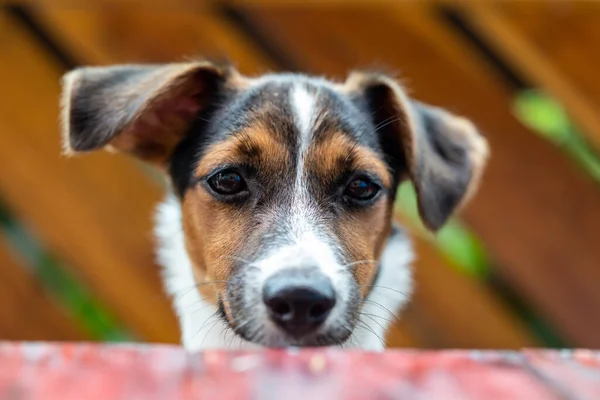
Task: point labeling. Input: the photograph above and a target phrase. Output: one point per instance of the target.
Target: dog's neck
(202, 327)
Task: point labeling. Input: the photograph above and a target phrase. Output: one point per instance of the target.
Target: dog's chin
(268, 335)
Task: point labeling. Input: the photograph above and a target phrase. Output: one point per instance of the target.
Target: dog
(278, 227)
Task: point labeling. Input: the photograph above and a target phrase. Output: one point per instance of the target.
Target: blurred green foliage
(60, 283)
(548, 118)
(461, 247)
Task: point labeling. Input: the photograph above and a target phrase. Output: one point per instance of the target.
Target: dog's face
(286, 182)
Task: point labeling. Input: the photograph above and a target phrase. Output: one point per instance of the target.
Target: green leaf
(462, 248)
(61, 282)
(454, 241)
(544, 115)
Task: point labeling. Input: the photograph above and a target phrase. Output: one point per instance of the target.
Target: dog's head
(286, 182)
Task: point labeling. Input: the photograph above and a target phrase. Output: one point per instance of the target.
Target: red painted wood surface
(92, 371)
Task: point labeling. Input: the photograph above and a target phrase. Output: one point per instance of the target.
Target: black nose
(298, 300)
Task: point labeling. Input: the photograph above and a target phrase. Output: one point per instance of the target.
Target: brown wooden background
(537, 213)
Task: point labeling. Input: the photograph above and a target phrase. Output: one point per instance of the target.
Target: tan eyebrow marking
(325, 157)
(253, 142)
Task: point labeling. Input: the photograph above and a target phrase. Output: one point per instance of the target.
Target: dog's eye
(227, 182)
(361, 189)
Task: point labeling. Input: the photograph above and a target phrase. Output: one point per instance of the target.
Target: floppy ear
(144, 110)
(442, 153)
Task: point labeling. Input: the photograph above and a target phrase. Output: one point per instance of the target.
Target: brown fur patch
(254, 145)
(216, 232)
(330, 156)
(363, 233)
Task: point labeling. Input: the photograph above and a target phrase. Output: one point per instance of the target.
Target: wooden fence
(76, 254)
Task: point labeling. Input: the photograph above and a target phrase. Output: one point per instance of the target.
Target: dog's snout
(298, 301)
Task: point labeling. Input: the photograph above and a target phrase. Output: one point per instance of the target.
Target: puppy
(278, 227)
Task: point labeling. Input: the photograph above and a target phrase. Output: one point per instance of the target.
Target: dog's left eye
(361, 189)
(227, 182)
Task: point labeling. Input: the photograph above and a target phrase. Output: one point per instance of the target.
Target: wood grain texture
(570, 49)
(37, 370)
(545, 72)
(453, 310)
(127, 34)
(93, 212)
(27, 312)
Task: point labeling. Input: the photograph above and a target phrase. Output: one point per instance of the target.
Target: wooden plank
(571, 49)
(446, 45)
(527, 58)
(164, 5)
(98, 372)
(94, 212)
(549, 227)
(451, 310)
(27, 312)
(128, 34)
(532, 198)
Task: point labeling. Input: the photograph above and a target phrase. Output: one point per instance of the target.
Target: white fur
(202, 329)
(303, 104)
(390, 293)
(302, 221)
(308, 249)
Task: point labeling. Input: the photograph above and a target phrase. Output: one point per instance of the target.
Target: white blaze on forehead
(303, 108)
(307, 243)
(303, 104)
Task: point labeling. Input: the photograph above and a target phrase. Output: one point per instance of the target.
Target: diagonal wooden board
(27, 312)
(94, 213)
(563, 65)
(75, 371)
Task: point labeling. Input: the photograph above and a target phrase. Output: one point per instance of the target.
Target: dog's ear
(144, 110)
(443, 154)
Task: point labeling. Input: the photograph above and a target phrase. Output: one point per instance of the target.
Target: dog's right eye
(227, 183)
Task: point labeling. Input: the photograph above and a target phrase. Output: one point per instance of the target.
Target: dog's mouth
(262, 331)
(266, 336)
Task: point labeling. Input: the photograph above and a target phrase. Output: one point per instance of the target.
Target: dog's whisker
(389, 321)
(369, 329)
(233, 336)
(374, 320)
(177, 297)
(208, 332)
(382, 307)
(235, 258)
(359, 262)
(384, 121)
(350, 332)
(385, 287)
(202, 308)
(206, 321)
(383, 125)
